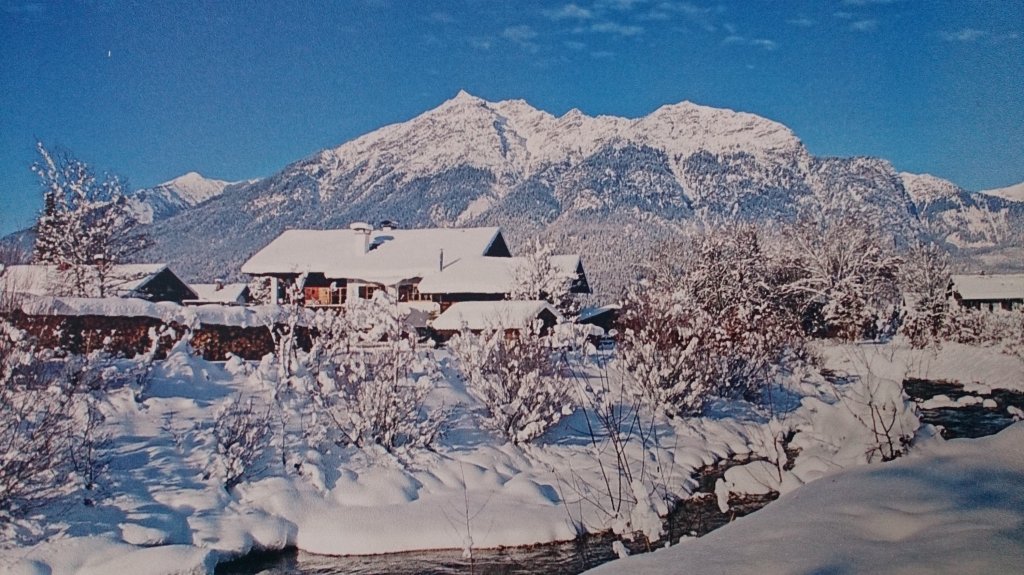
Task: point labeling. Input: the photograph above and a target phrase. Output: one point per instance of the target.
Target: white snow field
(957, 506)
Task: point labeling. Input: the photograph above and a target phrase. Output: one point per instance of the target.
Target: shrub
(516, 379)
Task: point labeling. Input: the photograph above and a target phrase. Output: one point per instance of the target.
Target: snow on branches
(924, 282)
(516, 378)
(86, 227)
(714, 321)
(847, 278)
(49, 427)
(364, 380)
(541, 278)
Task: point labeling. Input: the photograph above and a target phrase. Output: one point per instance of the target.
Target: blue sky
(232, 89)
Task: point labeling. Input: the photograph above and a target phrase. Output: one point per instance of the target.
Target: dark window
(411, 292)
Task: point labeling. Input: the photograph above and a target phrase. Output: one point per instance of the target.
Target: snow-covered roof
(487, 315)
(488, 275)
(254, 316)
(220, 293)
(43, 280)
(989, 286)
(393, 255)
(591, 312)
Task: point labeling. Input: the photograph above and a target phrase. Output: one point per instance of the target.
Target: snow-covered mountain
(1014, 193)
(961, 218)
(169, 198)
(607, 187)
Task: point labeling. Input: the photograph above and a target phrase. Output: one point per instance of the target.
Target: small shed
(151, 282)
(989, 292)
(603, 317)
(510, 316)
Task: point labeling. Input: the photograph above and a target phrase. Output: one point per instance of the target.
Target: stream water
(695, 516)
(964, 421)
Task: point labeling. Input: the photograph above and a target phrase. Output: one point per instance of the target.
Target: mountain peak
(193, 188)
(928, 188)
(465, 97)
(191, 178)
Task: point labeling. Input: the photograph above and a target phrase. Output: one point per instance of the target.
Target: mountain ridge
(610, 188)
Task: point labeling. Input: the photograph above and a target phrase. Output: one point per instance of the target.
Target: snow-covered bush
(242, 432)
(989, 328)
(717, 325)
(517, 380)
(370, 379)
(378, 397)
(50, 434)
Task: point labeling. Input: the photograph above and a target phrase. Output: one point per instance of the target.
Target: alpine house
(428, 269)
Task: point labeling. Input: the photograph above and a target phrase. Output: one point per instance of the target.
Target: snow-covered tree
(516, 378)
(713, 321)
(924, 281)
(86, 227)
(259, 290)
(539, 277)
(843, 273)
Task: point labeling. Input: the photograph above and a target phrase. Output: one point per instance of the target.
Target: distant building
(426, 269)
(219, 293)
(511, 316)
(151, 282)
(989, 292)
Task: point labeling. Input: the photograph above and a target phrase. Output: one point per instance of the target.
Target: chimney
(362, 231)
(440, 261)
(219, 283)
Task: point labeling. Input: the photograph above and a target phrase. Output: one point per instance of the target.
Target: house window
(324, 296)
(367, 291)
(411, 292)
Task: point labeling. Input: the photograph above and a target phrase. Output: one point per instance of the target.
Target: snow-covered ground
(953, 507)
(161, 511)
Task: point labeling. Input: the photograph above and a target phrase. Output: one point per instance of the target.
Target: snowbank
(956, 508)
(163, 513)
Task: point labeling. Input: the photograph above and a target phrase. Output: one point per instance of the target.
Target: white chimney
(362, 231)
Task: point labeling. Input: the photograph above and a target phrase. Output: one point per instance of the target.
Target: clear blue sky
(238, 89)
